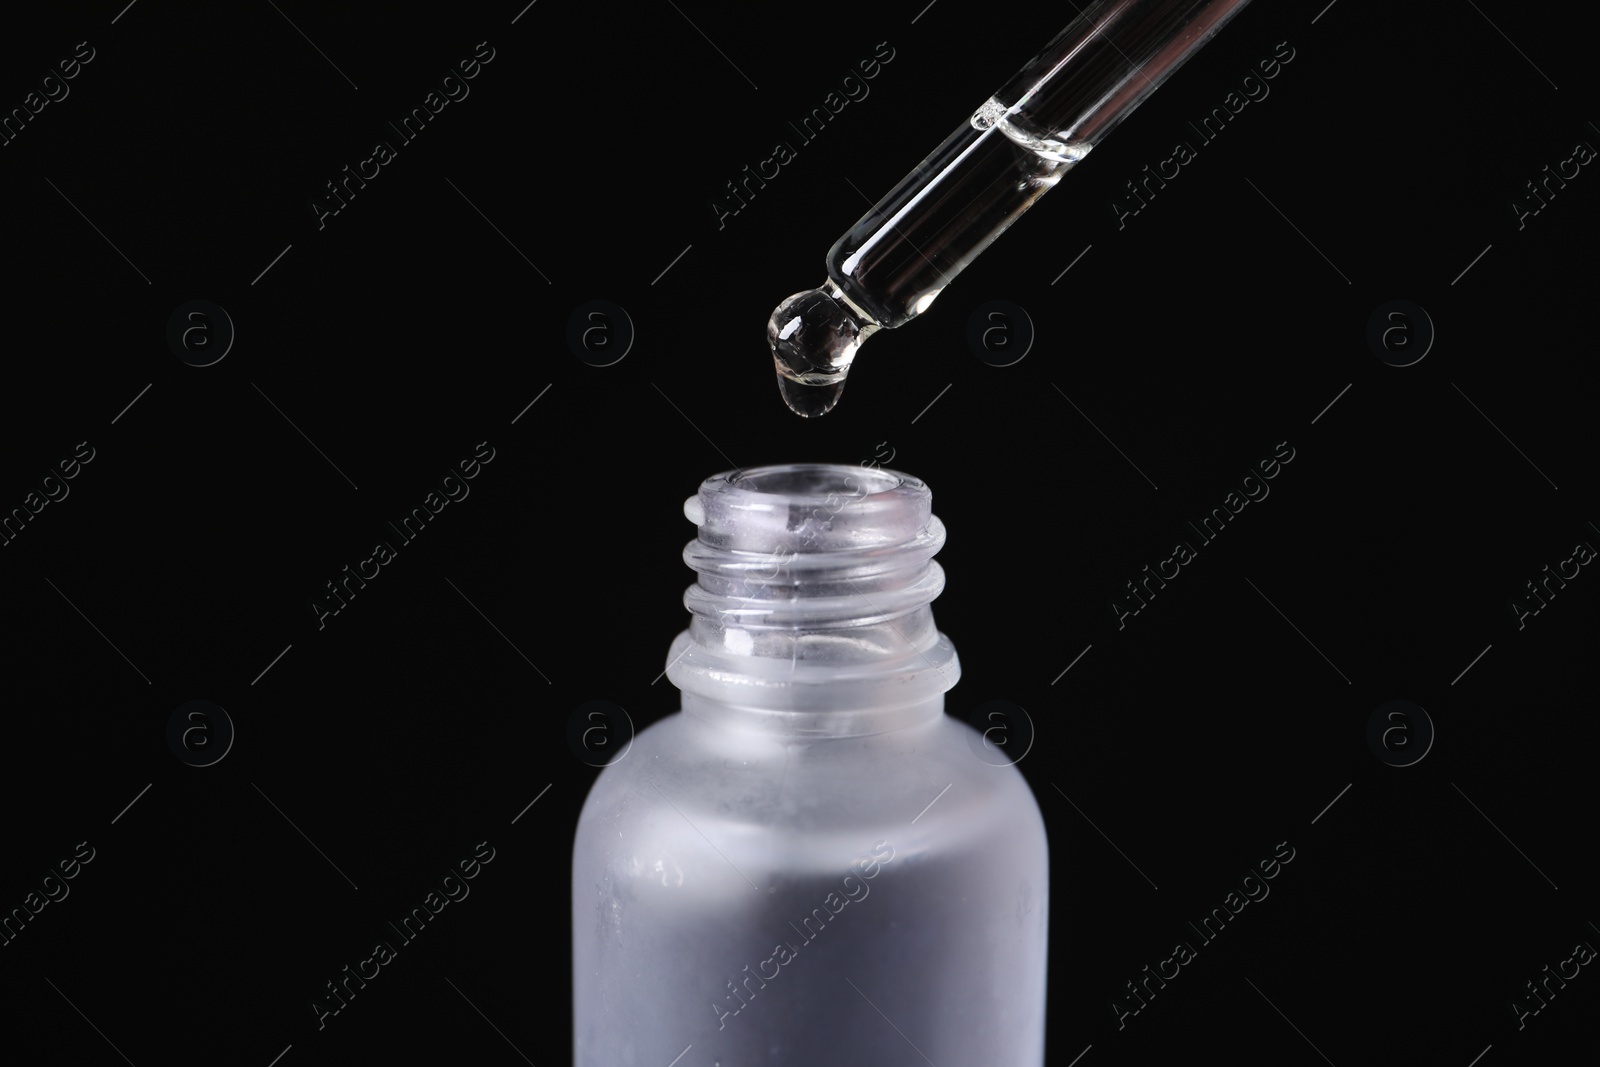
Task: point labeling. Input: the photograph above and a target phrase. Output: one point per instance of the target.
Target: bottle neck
(810, 616)
(785, 725)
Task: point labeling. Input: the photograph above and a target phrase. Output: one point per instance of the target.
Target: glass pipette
(899, 257)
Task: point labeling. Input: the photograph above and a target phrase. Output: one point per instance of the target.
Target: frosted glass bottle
(810, 865)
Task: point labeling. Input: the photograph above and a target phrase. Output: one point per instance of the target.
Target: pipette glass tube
(899, 257)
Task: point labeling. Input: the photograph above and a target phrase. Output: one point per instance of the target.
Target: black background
(426, 715)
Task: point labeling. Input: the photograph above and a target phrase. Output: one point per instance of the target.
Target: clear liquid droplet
(809, 401)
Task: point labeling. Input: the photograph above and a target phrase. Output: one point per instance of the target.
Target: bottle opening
(811, 508)
(816, 481)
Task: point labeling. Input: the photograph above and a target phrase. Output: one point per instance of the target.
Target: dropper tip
(809, 401)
